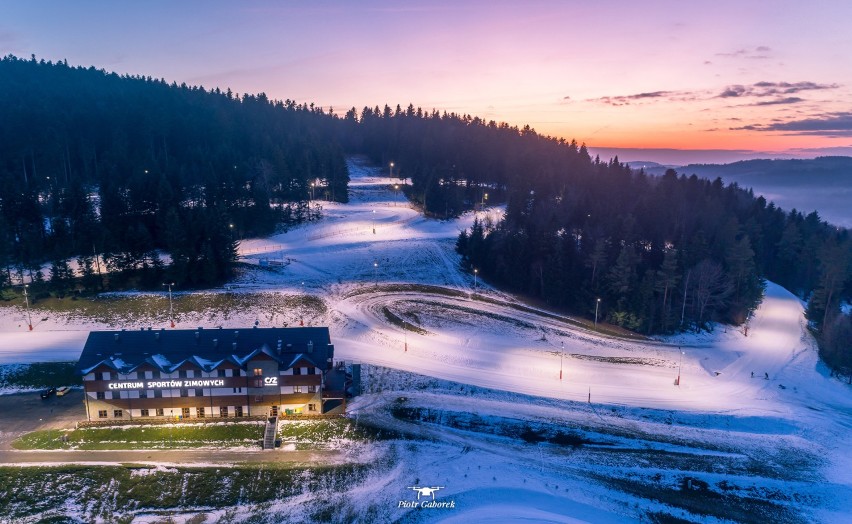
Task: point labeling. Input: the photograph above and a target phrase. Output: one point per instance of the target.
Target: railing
(269, 433)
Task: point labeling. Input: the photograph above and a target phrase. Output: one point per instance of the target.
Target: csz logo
(270, 381)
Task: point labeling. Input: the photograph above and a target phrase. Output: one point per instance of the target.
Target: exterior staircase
(269, 433)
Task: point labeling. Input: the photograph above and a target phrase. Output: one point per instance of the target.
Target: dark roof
(167, 350)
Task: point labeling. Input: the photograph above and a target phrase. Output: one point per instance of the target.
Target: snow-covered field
(376, 255)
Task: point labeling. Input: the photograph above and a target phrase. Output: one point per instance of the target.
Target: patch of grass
(145, 437)
(115, 493)
(701, 501)
(499, 426)
(488, 314)
(398, 322)
(311, 434)
(127, 309)
(625, 360)
(39, 375)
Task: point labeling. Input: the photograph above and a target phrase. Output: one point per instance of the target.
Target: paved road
(209, 456)
(25, 412)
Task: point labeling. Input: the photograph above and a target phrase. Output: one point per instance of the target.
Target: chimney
(234, 345)
(310, 346)
(215, 342)
(116, 337)
(197, 335)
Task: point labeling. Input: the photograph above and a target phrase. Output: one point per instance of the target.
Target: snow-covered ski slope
(375, 258)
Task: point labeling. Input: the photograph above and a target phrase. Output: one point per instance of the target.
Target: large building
(204, 373)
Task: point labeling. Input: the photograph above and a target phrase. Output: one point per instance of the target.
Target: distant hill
(821, 184)
(828, 171)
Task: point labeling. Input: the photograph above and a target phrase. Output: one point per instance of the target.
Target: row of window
(158, 393)
(184, 373)
(200, 412)
(184, 412)
(190, 373)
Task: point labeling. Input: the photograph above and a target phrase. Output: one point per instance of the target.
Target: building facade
(210, 373)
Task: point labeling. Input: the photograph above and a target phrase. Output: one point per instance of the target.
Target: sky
(734, 79)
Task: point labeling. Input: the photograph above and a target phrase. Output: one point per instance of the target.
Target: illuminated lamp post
(475, 272)
(391, 170)
(27, 302)
(376, 273)
(171, 307)
(597, 305)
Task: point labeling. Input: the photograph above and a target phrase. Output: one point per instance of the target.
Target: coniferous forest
(128, 167)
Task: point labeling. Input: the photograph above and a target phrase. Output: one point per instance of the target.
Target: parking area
(24, 412)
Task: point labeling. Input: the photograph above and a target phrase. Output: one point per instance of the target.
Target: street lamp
(597, 305)
(561, 354)
(312, 190)
(171, 308)
(374, 221)
(391, 170)
(475, 271)
(27, 302)
(376, 273)
(301, 310)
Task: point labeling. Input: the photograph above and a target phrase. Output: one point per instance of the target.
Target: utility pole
(171, 307)
(597, 305)
(27, 302)
(683, 308)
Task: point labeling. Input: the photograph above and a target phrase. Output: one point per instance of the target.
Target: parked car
(63, 390)
(48, 392)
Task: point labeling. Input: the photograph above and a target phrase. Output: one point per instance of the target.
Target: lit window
(258, 372)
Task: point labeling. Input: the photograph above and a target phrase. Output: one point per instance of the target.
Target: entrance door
(273, 411)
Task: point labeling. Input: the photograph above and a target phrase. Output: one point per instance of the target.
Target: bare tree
(712, 289)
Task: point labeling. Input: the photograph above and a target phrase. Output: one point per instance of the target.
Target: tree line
(119, 170)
